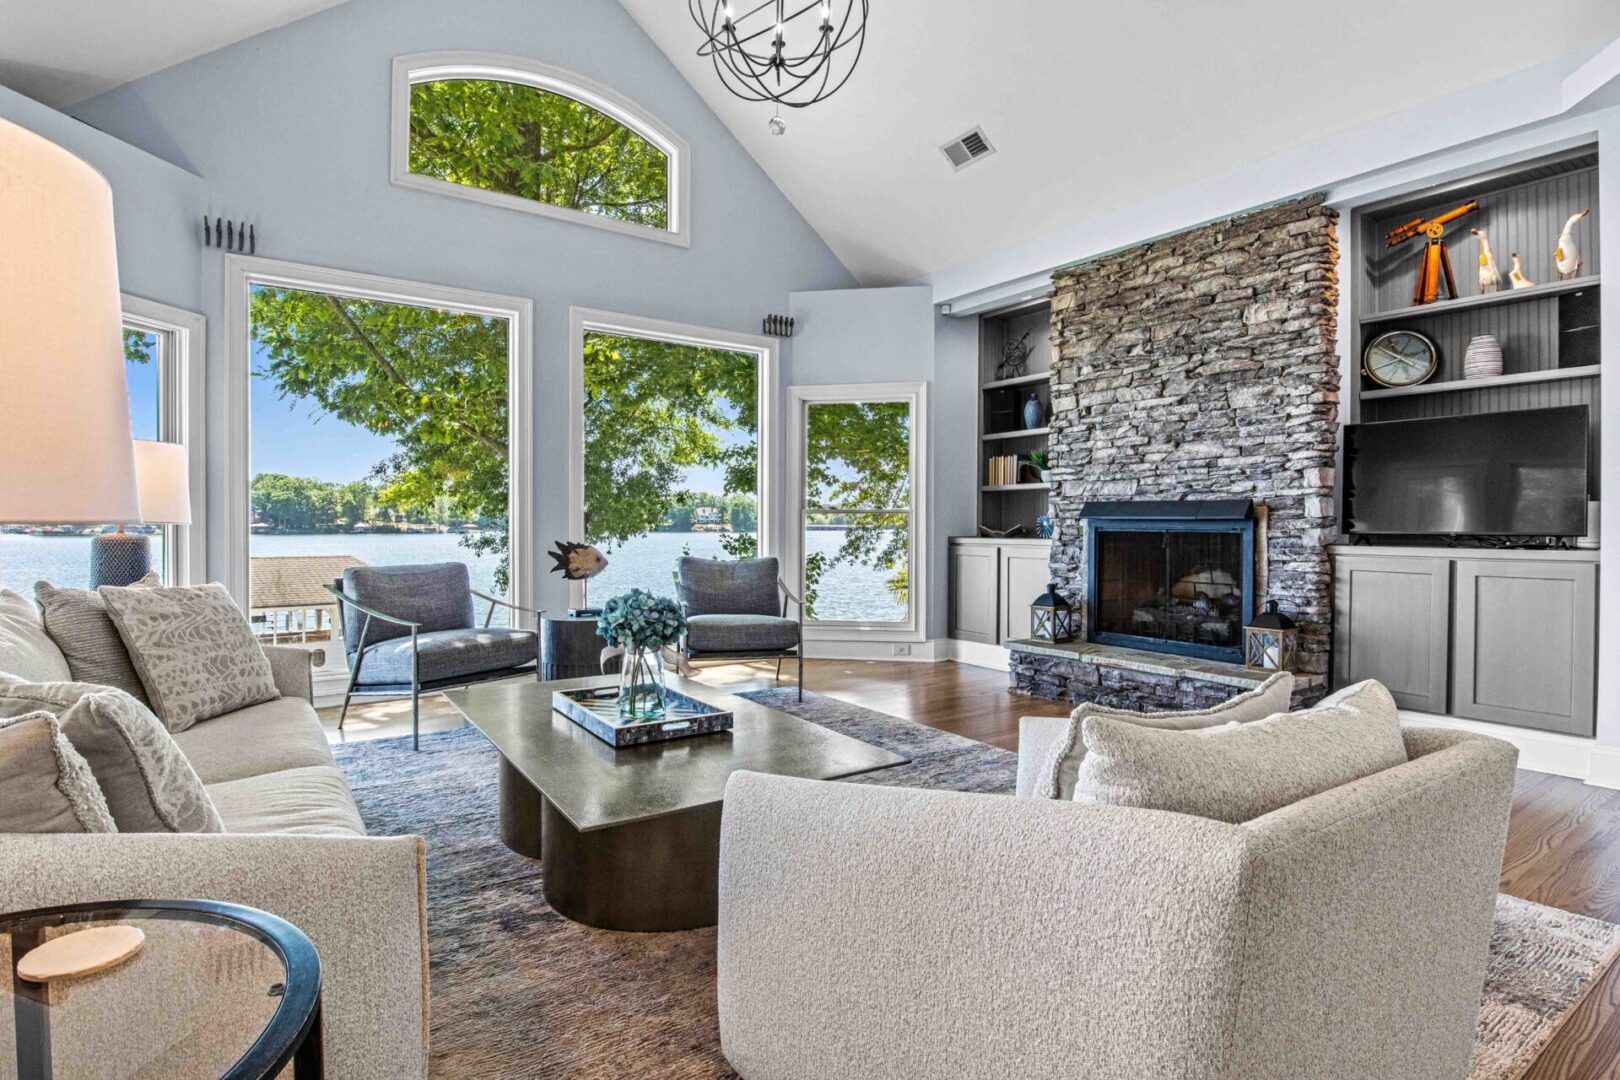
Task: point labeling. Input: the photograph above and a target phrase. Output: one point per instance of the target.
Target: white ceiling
(62, 52)
(1094, 107)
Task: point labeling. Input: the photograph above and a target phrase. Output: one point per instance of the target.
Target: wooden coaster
(81, 953)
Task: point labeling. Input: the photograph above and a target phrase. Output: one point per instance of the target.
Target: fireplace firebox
(1174, 577)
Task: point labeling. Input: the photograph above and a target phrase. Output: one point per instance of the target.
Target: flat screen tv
(1507, 474)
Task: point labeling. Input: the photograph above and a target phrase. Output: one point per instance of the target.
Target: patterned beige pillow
(148, 783)
(1062, 766)
(1251, 769)
(45, 786)
(77, 621)
(193, 649)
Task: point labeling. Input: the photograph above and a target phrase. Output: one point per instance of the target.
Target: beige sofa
(887, 932)
(294, 845)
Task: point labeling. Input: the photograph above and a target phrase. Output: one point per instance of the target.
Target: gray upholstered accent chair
(888, 932)
(738, 610)
(409, 629)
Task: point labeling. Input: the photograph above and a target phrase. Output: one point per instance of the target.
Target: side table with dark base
(629, 838)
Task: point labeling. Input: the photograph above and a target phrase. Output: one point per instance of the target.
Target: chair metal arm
(347, 599)
(788, 595)
(493, 600)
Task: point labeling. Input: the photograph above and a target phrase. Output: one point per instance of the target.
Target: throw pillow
(26, 650)
(1243, 772)
(194, 651)
(45, 786)
(76, 619)
(147, 781)
(1057, 776)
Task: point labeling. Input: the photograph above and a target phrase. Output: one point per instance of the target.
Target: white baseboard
(925, 652)
(1541, 751)
(979, 654)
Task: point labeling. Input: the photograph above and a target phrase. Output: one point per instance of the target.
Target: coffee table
(629, 838)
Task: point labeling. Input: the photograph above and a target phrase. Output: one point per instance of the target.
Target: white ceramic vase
(1483, 358)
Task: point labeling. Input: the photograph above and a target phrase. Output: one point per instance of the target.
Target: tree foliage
(433, 382)
(653, 410)
(298, 503)
(857, 474)
(519, 140)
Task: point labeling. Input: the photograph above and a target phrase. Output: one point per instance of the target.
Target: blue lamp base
(119, 558)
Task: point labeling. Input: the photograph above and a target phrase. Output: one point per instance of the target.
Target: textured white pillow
(193, 649)
(147, 781)
(45, 786)
(1062, 765)
(26, 650)
(1248, 770)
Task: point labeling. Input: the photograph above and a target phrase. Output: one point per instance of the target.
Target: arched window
(520, 134)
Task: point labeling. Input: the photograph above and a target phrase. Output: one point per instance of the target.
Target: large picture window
(857, 453)
(523, 135)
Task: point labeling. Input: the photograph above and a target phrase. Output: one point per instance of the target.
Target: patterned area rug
(519, 991)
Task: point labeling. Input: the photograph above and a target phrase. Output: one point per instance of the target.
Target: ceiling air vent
(967, 149)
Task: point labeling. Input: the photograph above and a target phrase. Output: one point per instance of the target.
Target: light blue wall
(893, 335)
(153, 203)
(290, 130)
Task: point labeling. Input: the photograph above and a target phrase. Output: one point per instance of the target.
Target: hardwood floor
(1563, 844)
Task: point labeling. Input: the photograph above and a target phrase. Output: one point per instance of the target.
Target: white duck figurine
(1490, 278)
(1566, 255)
(1516, 275)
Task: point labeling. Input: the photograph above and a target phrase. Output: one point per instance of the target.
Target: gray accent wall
(290, 130)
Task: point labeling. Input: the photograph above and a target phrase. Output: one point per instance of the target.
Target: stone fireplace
(1195, 369)
(1171, 577)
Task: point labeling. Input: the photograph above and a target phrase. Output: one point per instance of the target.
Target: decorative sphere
(778, 126)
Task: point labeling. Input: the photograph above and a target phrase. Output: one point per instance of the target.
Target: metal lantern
(1051, 618)
(1271, 641)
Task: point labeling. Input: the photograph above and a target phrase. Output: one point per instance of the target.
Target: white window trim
(242, 272)
(183, 420)
(586, 320)
(914, 394)
(500, 67)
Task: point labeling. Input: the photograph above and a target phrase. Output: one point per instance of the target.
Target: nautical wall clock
(1400, 358)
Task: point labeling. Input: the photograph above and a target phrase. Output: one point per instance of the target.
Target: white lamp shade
(161, 477)
(65, 454)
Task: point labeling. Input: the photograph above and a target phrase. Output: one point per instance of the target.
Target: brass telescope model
(1435, 257)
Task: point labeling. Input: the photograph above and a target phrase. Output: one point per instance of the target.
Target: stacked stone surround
(1202, 366)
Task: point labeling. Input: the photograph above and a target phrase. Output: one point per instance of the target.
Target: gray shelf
(1021, 380)
(1016, 487)
(1000, 435)
(1504, 295)
(1551, 375)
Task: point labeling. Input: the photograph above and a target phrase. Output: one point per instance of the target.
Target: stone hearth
(1135, 678)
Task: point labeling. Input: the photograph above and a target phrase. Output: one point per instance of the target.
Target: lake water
(847, 592)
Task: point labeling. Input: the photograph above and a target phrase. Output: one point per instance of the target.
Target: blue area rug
(518, 990)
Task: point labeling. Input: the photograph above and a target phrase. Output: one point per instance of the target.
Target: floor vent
(967, 149)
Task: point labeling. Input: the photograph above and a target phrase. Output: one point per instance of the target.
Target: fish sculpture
(1516, 275)
(1566, 256)
(1490, 278)
(577, 562)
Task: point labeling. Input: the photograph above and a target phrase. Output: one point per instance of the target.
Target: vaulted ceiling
(1092, 106)
(1095, 106)
(64, 51)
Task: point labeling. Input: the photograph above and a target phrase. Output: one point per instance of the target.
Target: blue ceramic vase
(1033, 413)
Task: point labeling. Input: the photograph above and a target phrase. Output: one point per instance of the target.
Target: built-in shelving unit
(1549, 333)
(1001, 413)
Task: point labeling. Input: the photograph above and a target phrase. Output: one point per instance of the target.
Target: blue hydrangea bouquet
(638, 625)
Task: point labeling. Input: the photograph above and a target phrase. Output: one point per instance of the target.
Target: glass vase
(641, 684)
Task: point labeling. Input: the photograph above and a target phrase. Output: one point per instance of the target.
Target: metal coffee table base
(660, 873)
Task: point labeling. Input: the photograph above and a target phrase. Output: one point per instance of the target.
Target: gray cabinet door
(973, 593)
(1525, 647)
(1391, 623)
(1024, 576)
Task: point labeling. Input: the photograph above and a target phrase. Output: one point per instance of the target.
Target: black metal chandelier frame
(750, 51)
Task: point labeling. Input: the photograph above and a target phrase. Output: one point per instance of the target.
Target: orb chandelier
(787, 52)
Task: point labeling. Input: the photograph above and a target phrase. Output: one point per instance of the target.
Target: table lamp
(66, 458)
(161, 479)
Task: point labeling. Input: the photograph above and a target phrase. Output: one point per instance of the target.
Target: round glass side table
(216, 992)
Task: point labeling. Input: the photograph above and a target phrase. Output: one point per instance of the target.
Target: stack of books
(1003, 469)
